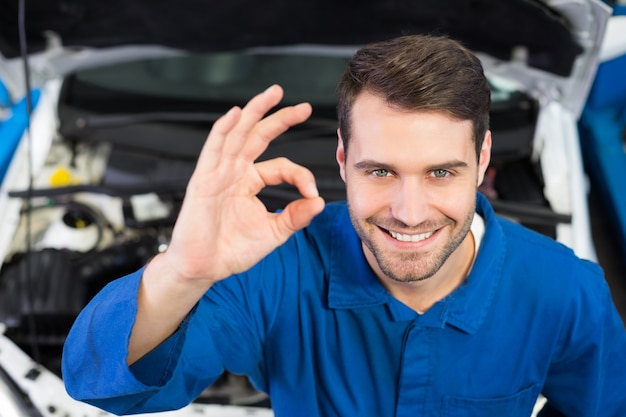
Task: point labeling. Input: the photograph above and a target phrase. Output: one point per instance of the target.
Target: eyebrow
(368, 164)
(371, 164)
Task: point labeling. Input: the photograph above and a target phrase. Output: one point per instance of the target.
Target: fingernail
(313, 190)
(269, 88)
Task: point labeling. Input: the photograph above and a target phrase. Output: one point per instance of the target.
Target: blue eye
(381, 172)
(440, 173)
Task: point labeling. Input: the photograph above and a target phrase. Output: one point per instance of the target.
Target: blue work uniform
(312, 326)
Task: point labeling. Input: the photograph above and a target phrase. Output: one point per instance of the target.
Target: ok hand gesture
(223, 228)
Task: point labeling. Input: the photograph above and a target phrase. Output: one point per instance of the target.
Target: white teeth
(410, 238)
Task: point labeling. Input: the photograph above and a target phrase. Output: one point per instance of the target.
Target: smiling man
(410, 299)
(412, 196)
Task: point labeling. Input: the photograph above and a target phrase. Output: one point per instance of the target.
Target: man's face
(411, 181)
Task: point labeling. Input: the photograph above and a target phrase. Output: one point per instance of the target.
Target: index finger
(251, 114)
(229, 131)
(272, 126)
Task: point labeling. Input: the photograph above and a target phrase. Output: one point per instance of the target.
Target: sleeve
(94, 358)
(226, 330)
(588, 376)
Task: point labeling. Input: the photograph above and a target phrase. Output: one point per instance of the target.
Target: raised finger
(212, 148)
(251, 114)
(266, 130)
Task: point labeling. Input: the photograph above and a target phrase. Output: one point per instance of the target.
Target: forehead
(381, 130)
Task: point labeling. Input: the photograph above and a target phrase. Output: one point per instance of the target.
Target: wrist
(164, 279)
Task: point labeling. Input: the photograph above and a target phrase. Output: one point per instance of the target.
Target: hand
(223, 228)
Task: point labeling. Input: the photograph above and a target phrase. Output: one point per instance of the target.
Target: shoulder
(539, 251)
(535, 266)
(548, 273)
(543, 282)
(528, 252)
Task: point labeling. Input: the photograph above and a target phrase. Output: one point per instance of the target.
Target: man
(413, 299)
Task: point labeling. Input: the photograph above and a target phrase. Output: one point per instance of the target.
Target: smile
(410, 238)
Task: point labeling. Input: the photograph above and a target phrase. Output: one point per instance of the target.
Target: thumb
(297, 215)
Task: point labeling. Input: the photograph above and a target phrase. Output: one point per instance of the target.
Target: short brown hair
(418, 72)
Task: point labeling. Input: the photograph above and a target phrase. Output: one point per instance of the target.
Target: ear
(484, 157)
(340, 155)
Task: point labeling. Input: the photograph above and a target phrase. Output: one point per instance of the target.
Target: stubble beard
(411, 266)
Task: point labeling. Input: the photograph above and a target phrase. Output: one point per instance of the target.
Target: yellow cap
(62, 177)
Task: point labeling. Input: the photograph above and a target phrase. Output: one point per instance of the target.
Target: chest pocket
(519, 404)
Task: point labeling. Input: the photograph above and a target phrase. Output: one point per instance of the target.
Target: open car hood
(550, 46)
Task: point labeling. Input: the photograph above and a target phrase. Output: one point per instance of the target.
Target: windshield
(219, 80)
(231, 77)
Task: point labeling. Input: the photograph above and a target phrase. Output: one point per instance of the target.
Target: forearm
(163, 301)
(96, 351)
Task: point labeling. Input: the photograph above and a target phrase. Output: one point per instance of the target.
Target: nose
(410, 201)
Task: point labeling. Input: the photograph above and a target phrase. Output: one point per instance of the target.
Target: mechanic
(411, 299)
